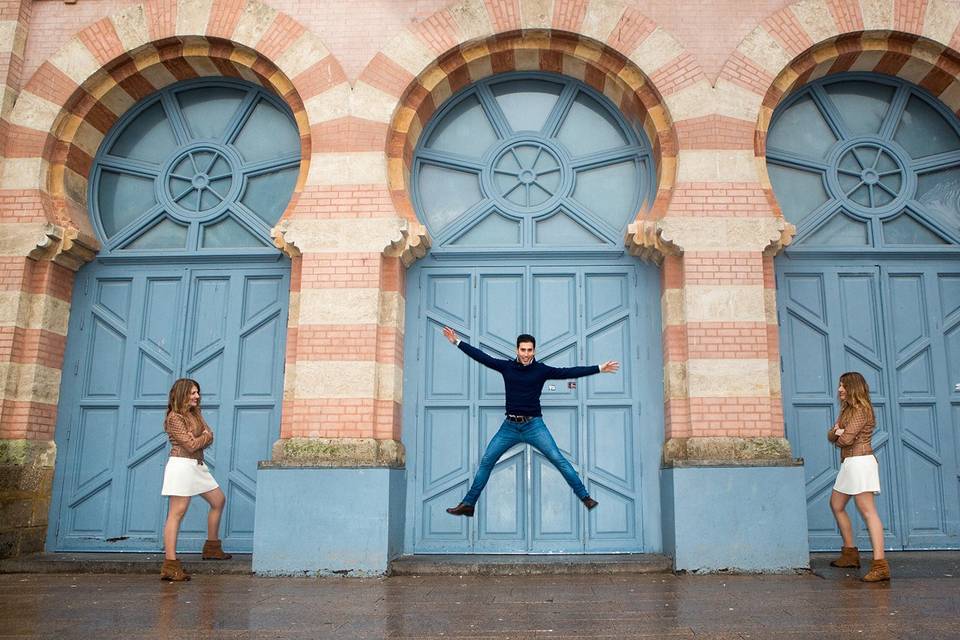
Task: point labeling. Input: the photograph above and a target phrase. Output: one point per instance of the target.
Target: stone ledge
(730, 464)
(529, 565)
(336, 453)
(129, 563)
(727, 451)
(21, 452)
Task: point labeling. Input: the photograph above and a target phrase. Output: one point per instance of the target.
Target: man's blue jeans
(535, 433)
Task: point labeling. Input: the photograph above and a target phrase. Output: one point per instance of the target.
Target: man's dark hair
(526, 337)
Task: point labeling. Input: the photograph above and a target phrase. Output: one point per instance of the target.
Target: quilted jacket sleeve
(179, 431)
(853, 423)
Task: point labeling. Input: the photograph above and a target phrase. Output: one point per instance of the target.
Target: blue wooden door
(579, 315)
(896, 323)
(133, 331)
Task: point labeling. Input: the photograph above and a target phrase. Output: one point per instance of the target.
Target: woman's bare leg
(838, 504)
(216, 500)
(175, 513)
(868, 511)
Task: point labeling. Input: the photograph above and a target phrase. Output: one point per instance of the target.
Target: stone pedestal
(329, 506)
(745, 517)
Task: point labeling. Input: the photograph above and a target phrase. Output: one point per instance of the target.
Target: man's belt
(519, 419)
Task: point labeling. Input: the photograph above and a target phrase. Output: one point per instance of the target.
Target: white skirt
(184, 477)
(858, 474)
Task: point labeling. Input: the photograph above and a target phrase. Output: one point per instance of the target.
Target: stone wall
(26, 481)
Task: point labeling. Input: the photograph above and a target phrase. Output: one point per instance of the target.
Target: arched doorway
(868, 168)
(527, 182)
(183, 192)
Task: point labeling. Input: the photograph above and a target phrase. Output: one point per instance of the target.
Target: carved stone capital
(645, 240)
(781, 242)
(280, 240)
(337, 452)
(411, 242)
(65, 246)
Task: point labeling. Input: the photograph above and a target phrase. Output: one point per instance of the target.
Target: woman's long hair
(179, 399)
(858, 394)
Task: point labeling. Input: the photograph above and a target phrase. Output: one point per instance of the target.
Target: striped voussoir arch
(604, 43)
(810, 39)
(926, 63)
(69, 104)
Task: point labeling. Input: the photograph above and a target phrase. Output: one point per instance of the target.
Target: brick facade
(363, 79)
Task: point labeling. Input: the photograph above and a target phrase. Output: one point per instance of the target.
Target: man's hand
(610, 366)
(450, 335)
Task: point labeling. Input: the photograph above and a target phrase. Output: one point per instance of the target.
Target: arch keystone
(193, 16)
(815, 18)
(131, 27)
(877, 14)
(471, 19)
(536, 14)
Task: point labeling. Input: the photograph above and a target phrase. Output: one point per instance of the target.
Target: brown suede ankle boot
(173, 571)
(849, 557)
(879, 571)
(212, 550)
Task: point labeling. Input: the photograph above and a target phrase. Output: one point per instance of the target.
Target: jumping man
(523, 380)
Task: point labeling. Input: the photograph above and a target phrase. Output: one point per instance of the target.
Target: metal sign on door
(133, 331)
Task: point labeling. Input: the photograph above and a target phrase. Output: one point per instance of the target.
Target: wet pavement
(923, 601)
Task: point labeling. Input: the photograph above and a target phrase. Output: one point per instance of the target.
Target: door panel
(922, 389)
(578, 315)
(134, 335)
(886, 322)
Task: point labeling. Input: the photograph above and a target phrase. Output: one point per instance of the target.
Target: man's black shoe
(462, 510)
(588, 502)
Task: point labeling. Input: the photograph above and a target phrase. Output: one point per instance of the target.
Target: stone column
(341, 434)
(35, 289)
(725, 459)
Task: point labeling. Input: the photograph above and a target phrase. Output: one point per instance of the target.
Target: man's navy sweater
(524, 384)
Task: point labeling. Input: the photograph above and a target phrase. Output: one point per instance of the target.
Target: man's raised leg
(540, 438)
(503, 439)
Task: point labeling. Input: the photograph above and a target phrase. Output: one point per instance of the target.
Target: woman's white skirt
(184, 477)
(858, 474)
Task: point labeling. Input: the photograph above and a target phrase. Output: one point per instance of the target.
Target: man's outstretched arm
(473, 352)
(559, 373)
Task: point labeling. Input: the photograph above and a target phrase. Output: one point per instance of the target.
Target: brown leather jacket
(188, 434)
(857, 425)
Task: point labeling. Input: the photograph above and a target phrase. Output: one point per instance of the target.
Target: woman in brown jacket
(186, 475)
(859, 474)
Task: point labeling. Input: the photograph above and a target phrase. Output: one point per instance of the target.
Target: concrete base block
(735, 518)
(322, 521)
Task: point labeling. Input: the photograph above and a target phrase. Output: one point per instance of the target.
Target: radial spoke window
(203, 165)
(530, 161)
(868, 162)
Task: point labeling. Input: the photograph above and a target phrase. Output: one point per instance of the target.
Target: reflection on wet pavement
(921, 602)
